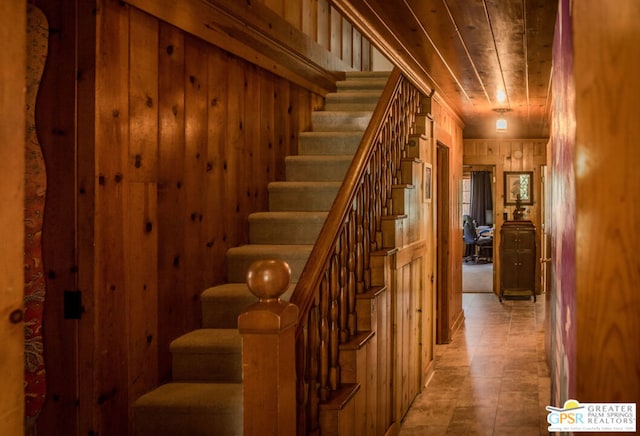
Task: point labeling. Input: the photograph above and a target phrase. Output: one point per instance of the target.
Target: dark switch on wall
(73, 304)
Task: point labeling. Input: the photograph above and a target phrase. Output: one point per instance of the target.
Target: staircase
(205, 395)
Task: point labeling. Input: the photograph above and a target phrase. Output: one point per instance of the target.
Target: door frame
(443, 286)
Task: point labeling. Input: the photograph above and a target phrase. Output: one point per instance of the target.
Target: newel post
(268, 352)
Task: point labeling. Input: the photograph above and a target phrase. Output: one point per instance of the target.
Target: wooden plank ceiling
(468, 50)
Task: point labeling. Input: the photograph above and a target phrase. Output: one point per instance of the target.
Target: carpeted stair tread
(207, 355)
(354, 82)
(338, 121)
(302, 196)
(190, 409)
(285, 227)
(208, 341)
(317, 168)
(222, 304)
(329, 143)
(240, 258)
(355, 100)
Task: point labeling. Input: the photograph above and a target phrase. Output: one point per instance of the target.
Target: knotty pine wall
(448, 132)
(510, 155)
(13, 41)
(319, 20)
(158, 146)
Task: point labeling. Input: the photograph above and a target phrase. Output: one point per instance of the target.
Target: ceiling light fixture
(501, 122)
(501, 96)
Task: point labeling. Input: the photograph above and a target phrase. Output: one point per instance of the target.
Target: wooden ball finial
(268, 279)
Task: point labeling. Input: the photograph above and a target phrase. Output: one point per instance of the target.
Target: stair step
(190, 409)
(317, 168)
(211, 355)
(329, 143)
(359, 100)
(240, 258)
(222, 304)
(359, 83)
(338, 415)
(302, 196)
(285, 227)
(367, 74)
(353, 357)
(340, 121)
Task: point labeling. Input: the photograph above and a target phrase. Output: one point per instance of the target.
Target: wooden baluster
(314, 370)
(334, 323)
(302, 385)
(324, 339)
(359, 251)
(268, 338)
(342, 280)
(368, 230)
(351, 274)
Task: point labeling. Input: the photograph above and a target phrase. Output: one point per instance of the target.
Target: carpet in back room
(477, 277)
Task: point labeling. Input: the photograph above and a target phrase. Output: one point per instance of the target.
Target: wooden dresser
(517, 259)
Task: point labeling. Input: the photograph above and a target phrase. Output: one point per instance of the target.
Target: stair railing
(339, 266)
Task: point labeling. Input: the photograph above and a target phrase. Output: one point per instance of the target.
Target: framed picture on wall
(518, 183)
(427, 176)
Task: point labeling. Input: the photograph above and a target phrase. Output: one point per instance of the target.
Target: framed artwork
(518, 183)
(428, 182)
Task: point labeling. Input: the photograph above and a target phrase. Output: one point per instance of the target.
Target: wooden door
(443, 291)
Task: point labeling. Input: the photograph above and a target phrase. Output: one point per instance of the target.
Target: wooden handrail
(339, 266)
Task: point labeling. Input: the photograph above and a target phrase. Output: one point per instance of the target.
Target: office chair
(475, 244)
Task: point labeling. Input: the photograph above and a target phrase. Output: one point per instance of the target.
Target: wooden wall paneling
(357, 50)
(324, 25)
(417, 285)
(12, 148)
(142, 290)
(236, 176)
(402, 341)
(384, 405)
(310, 18)
(282, 126)
(255, 33)
(143, 106)
(347, 42)
(267, 134)
(298, 105)
(86, 196)
(293, 13)
(276, 5)
(256, 197)
(142, 233)
(366, 55)
(194, 180)
(335, 32)
(55, 121)
(107, 359)
(171, 201)
(214, 223)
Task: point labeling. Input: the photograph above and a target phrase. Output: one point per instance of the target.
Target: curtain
(481, 201)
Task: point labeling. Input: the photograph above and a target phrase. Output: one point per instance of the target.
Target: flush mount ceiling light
(501, 122)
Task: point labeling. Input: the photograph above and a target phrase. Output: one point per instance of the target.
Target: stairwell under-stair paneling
(205, 395)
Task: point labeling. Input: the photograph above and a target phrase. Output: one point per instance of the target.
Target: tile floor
(492, 379)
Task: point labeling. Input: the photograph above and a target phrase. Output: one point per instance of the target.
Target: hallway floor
(492, 379)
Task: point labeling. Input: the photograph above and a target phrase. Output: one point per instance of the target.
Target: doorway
(443, 291)
(478, 212)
